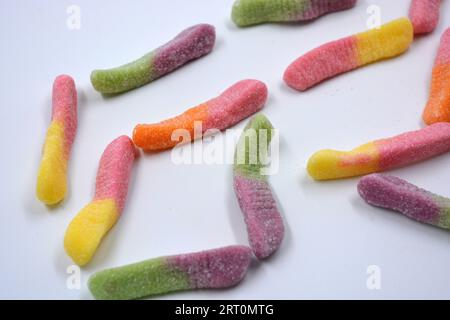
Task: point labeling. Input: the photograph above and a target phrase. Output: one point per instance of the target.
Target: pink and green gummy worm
(399, 195)
(263, 219)
(51, 186)
(86, 231)
(212, 269)
(424, 15)
(190, 44)
(251, 12)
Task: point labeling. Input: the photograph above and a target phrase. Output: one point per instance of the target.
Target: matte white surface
(332, 235)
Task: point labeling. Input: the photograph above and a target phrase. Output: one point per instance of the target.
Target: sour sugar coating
(438, 106)
(238, 102)
(399, 195)
(190, 44)
(251, 12)
(263, 219)
(52, 176)
(381, 155)
(88, 228)
(212, 269)
(424, 15)
(340, 56)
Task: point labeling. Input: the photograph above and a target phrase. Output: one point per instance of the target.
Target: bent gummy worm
(236, 103)
(190, 44)
(52, 176)
(264, 223)
(396, 194)
(349, 53)
(217, 268)
(250, 12)
(438, 106)
(88, 228)
(424, 15)
(381, 155)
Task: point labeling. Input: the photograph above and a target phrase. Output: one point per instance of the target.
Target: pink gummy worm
(114, 171)
(443, 56)
(424, 15)
(326, 61)
(414, 146)
(236, 103)
(217, 268)
(64, 108)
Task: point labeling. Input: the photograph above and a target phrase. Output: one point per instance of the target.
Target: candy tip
(291, 78)
(51, 188)
(64, 78)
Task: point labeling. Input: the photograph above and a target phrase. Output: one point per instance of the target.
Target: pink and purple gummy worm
(251, 12)
(190, 44)
(261, 214)
(213, 269)
(399, 195)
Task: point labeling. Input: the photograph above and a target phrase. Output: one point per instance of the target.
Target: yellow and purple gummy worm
(251, 12)
(399, 195)
(343, 55)
(212, 269)
(88, 228)
(381, 155)
(190, 44)
(265, 226)
(51, 185)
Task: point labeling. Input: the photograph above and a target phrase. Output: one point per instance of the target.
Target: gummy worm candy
(250, 12)
(236, 103)
(190, 44)
(396, 194)
(88, 228)
(337, 57)
(52, 176)
(424, 15)
(217, 268)
(438, 106)
(381, 155)
(264, 223)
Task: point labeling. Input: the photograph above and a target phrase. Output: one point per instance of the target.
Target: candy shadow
(61, 263)
(307, 183)
(235, 214)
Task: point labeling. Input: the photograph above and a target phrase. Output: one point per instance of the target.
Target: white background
(332, 235)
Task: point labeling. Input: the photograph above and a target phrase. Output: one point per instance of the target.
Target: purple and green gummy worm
(399, 195)
(217, 268)
(263, 219)
(251, 12)
(190, 44)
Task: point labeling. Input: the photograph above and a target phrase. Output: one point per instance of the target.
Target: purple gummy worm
(399, 195)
